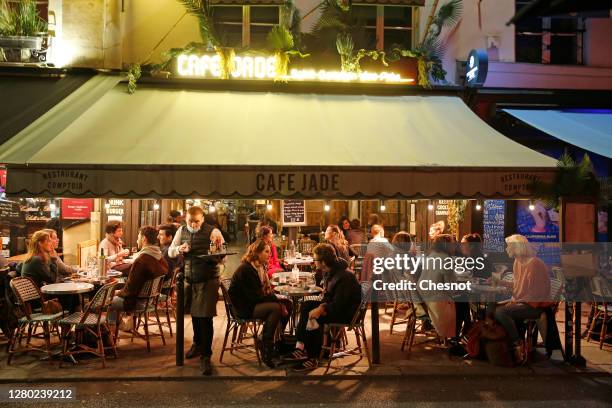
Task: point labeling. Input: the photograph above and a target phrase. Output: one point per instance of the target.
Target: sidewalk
(426, 359)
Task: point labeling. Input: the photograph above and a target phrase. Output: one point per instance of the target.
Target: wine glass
(134, 250)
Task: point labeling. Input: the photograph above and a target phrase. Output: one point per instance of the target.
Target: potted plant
(21, 29)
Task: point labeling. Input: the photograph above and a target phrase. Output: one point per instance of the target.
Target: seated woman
(252, 296)
(63, 270)
(38, 265)
(471, 246)
(336, 239)
(530, 291)
(267, 236)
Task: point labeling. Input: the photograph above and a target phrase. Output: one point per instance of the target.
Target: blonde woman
(38, 265)
(62, 268)
(530, 290)
(335, 237)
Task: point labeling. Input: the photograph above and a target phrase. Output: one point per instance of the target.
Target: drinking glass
(134, 249)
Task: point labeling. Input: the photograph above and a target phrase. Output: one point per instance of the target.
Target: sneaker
(307, 365)
(296, 355)
(193, 352)
(205, 366)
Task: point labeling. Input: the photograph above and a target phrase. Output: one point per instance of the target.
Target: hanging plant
(456, 214)
(571, 180)
(133, 75)
(349, 60)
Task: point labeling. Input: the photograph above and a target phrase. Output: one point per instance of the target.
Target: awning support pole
(375, 334)
(180, 318)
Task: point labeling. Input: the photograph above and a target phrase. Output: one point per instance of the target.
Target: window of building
(548, 40)
(386, 27)
(245, 26)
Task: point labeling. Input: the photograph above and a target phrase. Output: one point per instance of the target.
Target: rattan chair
(335, 333)
(167, 302)
(26, 292)
(89, 323)
(602, 311)
(359, 250)
(238, 327)
(534, 327)
(148, 300)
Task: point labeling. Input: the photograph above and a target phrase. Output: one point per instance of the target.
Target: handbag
(51, 307)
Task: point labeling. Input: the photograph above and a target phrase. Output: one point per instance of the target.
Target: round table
(296, 293)
(67, 288)
(288, 276)
(307, 260)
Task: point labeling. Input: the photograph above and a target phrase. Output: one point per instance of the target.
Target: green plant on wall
(571, 179)
(133, 76)
(21, 19)
(456, 214)
(280, 40)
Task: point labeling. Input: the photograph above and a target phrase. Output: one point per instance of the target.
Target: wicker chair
(167, 302)
(535, 326)
(359, 250)
(238, 326)
(602, 311)
(148, 299)
(335, 333)
(26, 292)
(90, 322)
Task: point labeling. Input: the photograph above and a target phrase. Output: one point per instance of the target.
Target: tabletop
(294, 291)
(67, 288)
(305, 260)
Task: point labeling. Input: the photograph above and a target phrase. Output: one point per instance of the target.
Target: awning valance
(587, 129)
(180, 143)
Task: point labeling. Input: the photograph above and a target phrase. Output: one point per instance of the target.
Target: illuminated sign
(476, 68)
(249, 67)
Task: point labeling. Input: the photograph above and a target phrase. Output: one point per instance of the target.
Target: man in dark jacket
(341, 300)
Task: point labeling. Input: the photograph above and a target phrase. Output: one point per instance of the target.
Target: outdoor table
(488, 294)
(67, 288)
(276, 278)
(305, 260)
(296, 294)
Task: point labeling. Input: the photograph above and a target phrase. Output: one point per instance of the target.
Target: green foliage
(201, 10)
(571, 180)
(350, 61)
(21, 19)
(280, 40)
(447, 16)
(133, 76)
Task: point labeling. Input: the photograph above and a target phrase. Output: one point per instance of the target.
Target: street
(427, 391)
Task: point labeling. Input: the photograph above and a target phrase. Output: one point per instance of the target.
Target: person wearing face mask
(202, 282)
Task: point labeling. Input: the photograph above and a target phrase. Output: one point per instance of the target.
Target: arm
(173, 250)
(342, 297)
(64, 269)
(105, 244)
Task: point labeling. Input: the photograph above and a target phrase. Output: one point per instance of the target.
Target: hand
(184, 248)
(125, 252)
(315, 313)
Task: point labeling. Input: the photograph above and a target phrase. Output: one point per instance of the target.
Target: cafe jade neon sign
(259, 67)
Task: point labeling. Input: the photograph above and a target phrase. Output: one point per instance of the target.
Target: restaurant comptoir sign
(262, 68)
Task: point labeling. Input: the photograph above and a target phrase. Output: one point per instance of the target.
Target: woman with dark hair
(266, 235)
(252, 295)
(345, 226)
(356, 234)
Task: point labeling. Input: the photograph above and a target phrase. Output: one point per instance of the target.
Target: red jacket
(273, 262)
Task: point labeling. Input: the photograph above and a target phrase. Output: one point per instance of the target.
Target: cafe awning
(190, 143)
(589, 129)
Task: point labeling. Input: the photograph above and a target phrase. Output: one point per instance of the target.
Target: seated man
(341, 298)
(165, 237)
(149, 264)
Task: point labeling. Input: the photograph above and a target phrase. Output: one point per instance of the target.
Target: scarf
(263, 277)
(116, 243)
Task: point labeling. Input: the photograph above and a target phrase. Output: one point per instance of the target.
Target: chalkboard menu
(293, 212)
(493, 225)
(11, 214)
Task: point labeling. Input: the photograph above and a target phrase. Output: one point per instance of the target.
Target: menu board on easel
(293, 213)
(493, 225)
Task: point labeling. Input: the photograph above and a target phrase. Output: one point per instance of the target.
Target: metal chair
(602, 311)
(26, 292)
(538, 326)
(91, 322)
(335, 333)
(238, 326)
(167, 300)
(148, 299)
(359, 250)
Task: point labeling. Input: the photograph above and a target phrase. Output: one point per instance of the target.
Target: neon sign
(259, 67)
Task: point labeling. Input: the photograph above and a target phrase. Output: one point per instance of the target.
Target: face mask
(192, 230)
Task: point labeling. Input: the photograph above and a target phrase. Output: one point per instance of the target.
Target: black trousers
(203, 333)
(312, 339)
(270, 313)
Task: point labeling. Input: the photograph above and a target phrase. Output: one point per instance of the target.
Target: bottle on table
(102, 264)
(295, 274)
(292, 249)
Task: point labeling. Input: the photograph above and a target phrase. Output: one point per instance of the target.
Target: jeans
(270, 313)
(203, 333)
(312, 339)
(117, 305)
(507, 315)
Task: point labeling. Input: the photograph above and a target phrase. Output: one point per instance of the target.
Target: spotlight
(107, 205)
(156, 206)
(531, 206)
(269, 206)
(212, 208)
(430, 207)
(52, 206)
(383, 207)
(478, 206)
(326, 208)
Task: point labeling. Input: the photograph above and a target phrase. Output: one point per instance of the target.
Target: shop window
(245, 26)
(386, 27)
(548, 40)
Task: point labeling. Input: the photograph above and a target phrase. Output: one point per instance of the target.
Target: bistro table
(67, 288)
(303, 261)
(296, 293)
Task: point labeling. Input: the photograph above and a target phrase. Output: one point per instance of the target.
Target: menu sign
(115, 210)
(293, 212)
(10, 213)
(493, 225)
(77, 209)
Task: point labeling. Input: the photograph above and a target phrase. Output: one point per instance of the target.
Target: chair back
(556, 289)
(359, 250)
(307, 246)
(171, 283)
(227, 301)
(100, 302)
(25, 291)
(359, 316)
(151, 288)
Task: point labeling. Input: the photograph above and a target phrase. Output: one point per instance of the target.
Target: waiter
(202, 282)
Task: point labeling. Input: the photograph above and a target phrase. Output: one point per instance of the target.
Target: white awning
(183, 143)
(589, 129)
